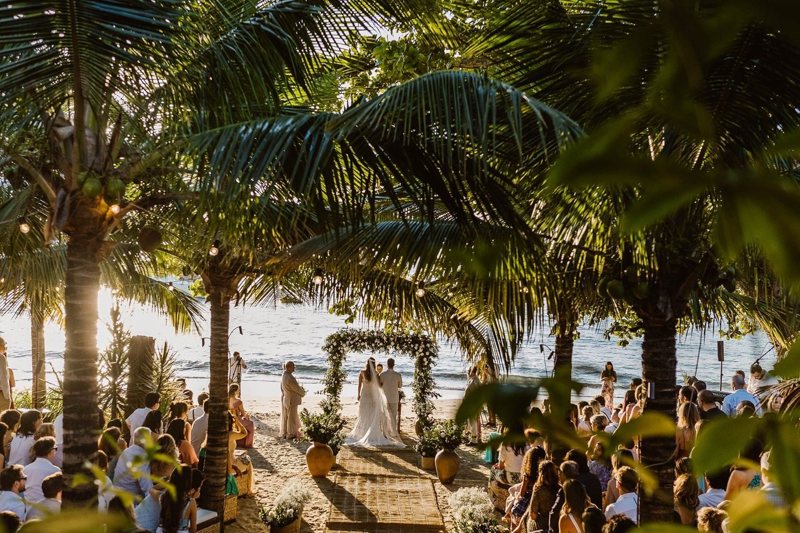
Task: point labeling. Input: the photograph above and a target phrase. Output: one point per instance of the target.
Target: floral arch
(422, 348)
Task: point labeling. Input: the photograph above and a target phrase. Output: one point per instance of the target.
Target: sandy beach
(276, 461)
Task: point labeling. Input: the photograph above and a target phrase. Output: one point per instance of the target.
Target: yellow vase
(320, 459)
(447, 464)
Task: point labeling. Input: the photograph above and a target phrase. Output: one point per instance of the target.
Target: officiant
(291, 398)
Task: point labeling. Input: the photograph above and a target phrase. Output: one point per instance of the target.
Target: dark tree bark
(81, 421)
(565, 339)
(39, 384)
(659, 364)
(221, 284)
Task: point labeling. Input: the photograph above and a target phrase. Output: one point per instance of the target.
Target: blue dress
(148, 513)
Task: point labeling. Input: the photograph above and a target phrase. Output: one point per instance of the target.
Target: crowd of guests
(591, 489)
(131, 453)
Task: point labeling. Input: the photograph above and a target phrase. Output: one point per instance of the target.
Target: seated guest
(35, 472)
(593, 520)
(745, 409)
(236, 407)
(179, 513)
(543, 497)
(599, 423)
(178, 410)
(628, 501)
(11, 418)
(699, 386)
(148, 512)
(133, 459)
(198, 411)
(591, 483)
(135, 420)
(619, 523)
(708, 406)
(9, 522)
(12, 483)
(742, 477)
(123, 513)
(599, 464)
(585, 424)
(177, 428)
(604, 409)
(685, 432)
(716, 482)
(508, 467)
(575, 502)
(687, 394)
(518, 502)
(235, 432)
(154, 422)
(3, 432)
(738, 395)
(109, 444)
(52, 487)
(200, 426)
(711, 519)
(567, 471)
(21, 444)
(618, 460)
(685, 494)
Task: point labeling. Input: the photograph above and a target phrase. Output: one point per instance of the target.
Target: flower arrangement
(449, 435)
(422, 348)
(287, 507)
(428, 443)
(321, 427)
(473, 511)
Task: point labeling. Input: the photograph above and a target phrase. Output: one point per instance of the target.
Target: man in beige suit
(392, 383)
(291, 398)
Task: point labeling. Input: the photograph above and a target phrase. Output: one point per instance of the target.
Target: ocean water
(274, 334)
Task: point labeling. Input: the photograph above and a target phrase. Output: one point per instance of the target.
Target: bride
(373, 428)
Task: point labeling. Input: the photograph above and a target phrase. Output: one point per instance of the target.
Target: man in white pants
(392, 383)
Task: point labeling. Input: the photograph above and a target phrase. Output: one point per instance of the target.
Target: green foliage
(52, 407)
(197, 288)
(321, 427)
(428, 443)
(448, 434)
(112, 371)
(164, 376)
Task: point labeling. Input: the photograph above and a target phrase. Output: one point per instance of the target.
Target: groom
(392, 383)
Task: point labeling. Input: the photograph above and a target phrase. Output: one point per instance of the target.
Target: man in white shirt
(738, 395)
(40, 468)
(200, 428)
(12, 482)
(198, 411)
(392, 383)
(716, 482)
(58, 427)
(604, 409)
(628, 502)
(136, 419)
(52, 487)
(133, 470)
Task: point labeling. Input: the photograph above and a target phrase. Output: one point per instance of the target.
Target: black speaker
(720, 351)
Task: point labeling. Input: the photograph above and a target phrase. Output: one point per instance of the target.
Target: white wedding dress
(374, 428)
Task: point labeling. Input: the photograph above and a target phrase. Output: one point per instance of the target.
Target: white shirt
(735, 398)
(20, 453)
(199, 432)
(43, 508)
(58, 426)
(123, 478)
(392, 383)
(195, 413)
(136, 419)
(606, 411)
(512, 461)
(36, 472)
(11, 501)
(711, 498)
(627, 504)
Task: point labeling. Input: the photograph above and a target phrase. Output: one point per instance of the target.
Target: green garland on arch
(422, 348)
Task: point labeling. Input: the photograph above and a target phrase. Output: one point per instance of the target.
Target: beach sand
(277, 461)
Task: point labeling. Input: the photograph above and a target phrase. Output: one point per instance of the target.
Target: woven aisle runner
(383, 492)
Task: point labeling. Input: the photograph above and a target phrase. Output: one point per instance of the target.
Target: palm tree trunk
(39, 386)
(562, 366)
(216, 462)
(659, 363)
(81, 422)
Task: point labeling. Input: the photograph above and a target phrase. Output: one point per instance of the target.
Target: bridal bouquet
(287, 507)
(473, 511)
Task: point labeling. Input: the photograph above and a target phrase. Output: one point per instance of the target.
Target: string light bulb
(214, 250)
(24, 227)
(114, 209)
(420, 292)
(170, 286)
(317, 279)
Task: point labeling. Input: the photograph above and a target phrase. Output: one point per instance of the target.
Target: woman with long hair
(686, 494)
(575, 502)
(542, 498)
(21, 444)
(10, 417)
(186, 453)
(236, 407)
(608, 378)
(179, 512)
(530, 472)
(685, 432)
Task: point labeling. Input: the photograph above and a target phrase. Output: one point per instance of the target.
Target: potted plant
(427, 446)
(473, 512)
(286, 512)
(321, 429)
(450, 436)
